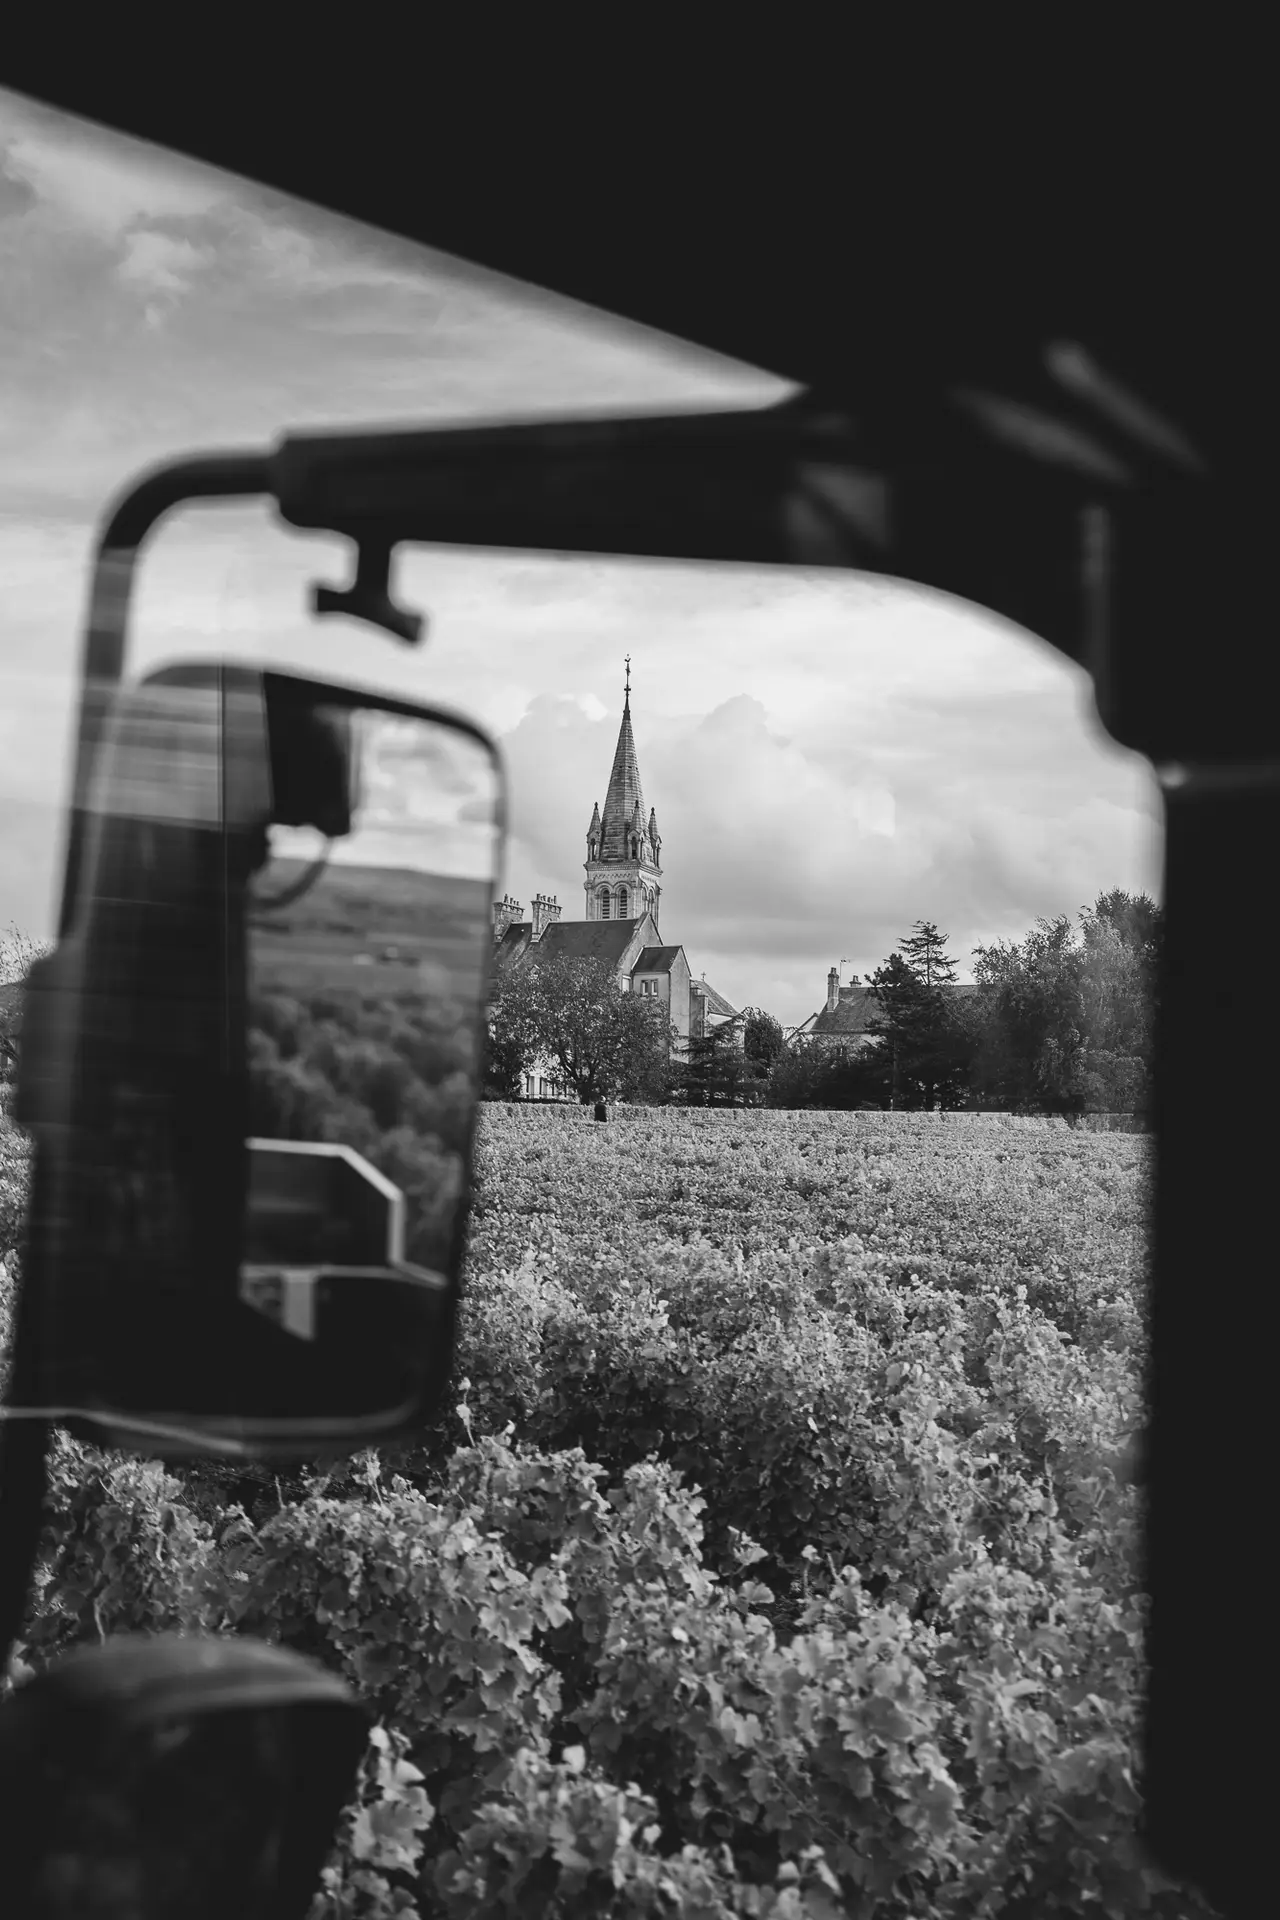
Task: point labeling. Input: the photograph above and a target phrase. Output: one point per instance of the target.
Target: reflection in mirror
(274, 993)
(367, 965)
(366, 948)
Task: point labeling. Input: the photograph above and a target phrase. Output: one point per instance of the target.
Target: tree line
(1061, 1022)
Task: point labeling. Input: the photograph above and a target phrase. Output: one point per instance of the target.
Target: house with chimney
(622, 891)
(842, 1025)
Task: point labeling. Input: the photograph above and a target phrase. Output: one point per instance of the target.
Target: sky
(831, 756)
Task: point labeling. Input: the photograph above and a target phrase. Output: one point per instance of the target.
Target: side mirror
(252, 1070)
(175, 1778)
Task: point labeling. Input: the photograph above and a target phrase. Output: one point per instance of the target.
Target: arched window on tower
(622, 903)
(592, 854)
(604, 903)
(635, 848)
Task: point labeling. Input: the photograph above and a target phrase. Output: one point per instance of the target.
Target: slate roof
(656, 960)
(857, 1008)
(513, 943)
(716, 1002)
(589, 939)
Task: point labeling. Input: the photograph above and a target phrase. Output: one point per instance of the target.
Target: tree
(794, 1075)
(717, 1071)
(1120, 951)
(763, 1039)
(925, 1035)
(1135, 917)
(1032, 1022)
(606, 1042)
(510, 1045)
(942, 1052)
(807, 1074)
(1065, 1024)
(924, 950)
(18, 953)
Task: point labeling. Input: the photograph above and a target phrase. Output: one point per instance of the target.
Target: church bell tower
(624, 878)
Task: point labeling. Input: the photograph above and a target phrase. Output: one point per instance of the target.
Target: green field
(364, 1026)
(781, 1536)
(368, 929)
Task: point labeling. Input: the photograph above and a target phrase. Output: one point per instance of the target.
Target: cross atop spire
(624, 878)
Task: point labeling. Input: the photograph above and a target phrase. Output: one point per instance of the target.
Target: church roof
(624, 796)
(716, 1002)
(513, 942)
(657, 960)
(589, 939)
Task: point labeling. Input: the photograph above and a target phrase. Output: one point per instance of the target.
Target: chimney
(546, 911)
(506, 912)
(833, 989)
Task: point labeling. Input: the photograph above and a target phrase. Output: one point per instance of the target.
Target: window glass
(829, 756)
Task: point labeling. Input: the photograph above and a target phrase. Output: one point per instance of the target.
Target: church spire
(625, 794)
(623, 875)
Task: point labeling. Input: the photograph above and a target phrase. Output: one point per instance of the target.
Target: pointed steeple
(624, 879)
(625, 794)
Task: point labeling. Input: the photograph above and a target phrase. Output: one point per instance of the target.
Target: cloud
(17, 195)
(778, 859)
(101, 182)
(161, 262)
(830, 756)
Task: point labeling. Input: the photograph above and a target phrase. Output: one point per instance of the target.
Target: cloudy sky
(831, 757)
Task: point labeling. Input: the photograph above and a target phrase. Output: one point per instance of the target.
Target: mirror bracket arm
(368, 598)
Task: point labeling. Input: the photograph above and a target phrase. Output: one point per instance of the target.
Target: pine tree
(928, 1043)
(902, 1024)
(719, 1071)
(924, 950)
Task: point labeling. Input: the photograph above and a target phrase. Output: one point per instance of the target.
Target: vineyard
(777, 1554)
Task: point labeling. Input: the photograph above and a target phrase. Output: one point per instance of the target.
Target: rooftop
(858, 1006)
(716, 1002)
(590, 939)
(656, 960)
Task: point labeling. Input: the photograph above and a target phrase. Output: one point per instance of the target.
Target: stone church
(620, 924)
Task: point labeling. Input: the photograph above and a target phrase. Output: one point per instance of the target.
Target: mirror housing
(1082, 516)
(174, 1776)
(215, 1264)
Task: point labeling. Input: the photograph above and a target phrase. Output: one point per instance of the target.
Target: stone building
(841, 1024)
(622, 892)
